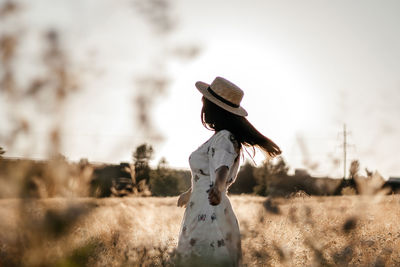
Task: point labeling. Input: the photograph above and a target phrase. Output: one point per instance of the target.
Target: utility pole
(344, 150)
(345, 145)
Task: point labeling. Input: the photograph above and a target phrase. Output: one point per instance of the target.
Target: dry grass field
(301, 231)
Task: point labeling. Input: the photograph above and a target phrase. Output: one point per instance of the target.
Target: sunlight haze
(306, 67)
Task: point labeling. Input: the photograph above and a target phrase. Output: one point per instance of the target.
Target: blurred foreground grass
(302, 231)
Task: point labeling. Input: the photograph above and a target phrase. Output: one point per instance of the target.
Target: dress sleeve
(223, 152)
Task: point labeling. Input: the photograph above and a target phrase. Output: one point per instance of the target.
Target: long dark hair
(216, 118)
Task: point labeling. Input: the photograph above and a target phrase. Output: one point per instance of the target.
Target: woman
(209, 233)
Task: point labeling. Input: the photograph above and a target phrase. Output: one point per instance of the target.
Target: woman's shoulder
(226, 136)
(223, 135)
(223, 132)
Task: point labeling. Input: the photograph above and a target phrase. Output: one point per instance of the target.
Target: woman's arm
(184, 198)
(214, 195)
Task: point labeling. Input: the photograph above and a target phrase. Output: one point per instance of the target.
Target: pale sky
(306, 67)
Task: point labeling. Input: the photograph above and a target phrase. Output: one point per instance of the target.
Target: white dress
(210, 234)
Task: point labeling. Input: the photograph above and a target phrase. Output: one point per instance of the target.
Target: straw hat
(224, 94)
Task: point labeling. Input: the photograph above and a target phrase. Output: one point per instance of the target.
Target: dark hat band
(223, 100)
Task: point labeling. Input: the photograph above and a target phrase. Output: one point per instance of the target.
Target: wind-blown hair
(215, 118)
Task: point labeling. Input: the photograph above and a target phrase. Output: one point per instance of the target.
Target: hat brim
(202, 87)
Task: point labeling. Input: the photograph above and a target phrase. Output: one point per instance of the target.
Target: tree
(163, 181)
(354, 169)
(2, 152)
(245, 181)
(279, 168)
(267, 172)
(141, 158)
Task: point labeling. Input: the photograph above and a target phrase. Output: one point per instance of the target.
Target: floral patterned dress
(211, 233)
